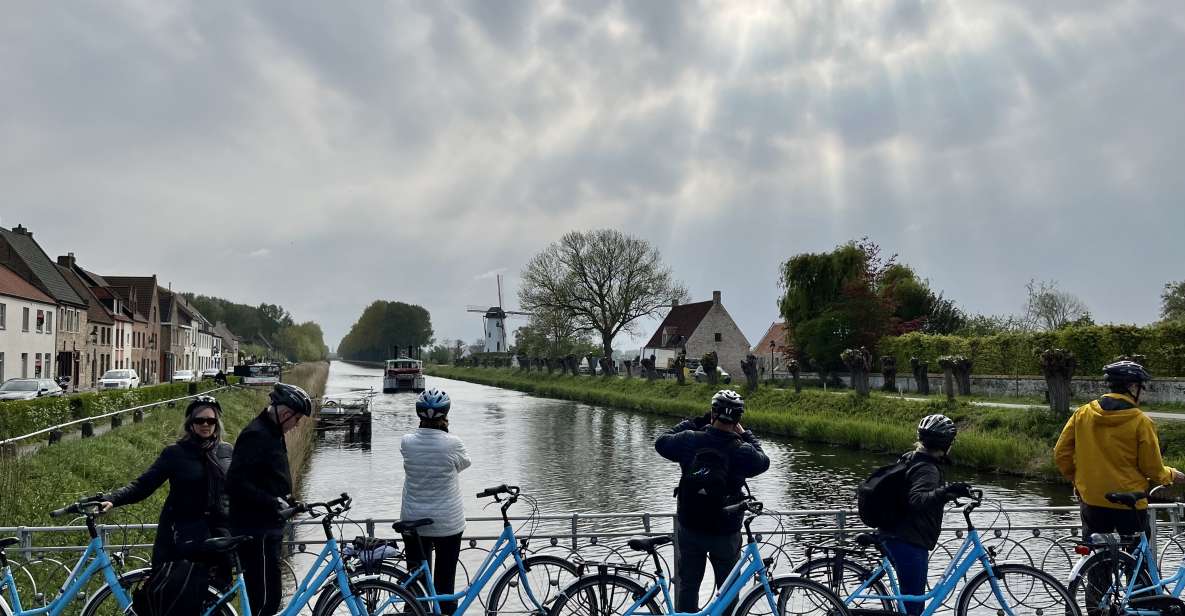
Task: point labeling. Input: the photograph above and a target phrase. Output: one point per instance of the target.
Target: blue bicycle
(94, 561)
(528, 587)
(608, 592)
(1120, 574)
(1004, 589)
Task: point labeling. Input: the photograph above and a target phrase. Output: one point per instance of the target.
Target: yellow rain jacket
(1110, 445)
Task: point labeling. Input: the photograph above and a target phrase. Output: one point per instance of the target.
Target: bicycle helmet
(292, 397)
(202, 401)
(433, 404)
(1125, 371)
(937, 432)
(728, 406)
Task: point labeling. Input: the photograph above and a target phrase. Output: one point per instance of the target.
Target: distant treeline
(382, 327)
(268, 323)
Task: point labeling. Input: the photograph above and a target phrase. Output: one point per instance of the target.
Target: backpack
(703, 490)
(176, 588)
(882, 498)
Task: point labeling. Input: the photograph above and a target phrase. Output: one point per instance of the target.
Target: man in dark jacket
(716, 455)
(260, 485)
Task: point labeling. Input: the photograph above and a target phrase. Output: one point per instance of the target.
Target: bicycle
(606, 592)
(420, 583)
(94, 560)
(996, 587)
(1120, 575)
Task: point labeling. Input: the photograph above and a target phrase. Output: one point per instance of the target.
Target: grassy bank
(1013, 441)
(59, 474)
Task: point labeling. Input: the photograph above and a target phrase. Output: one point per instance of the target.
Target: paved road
(1012, 405)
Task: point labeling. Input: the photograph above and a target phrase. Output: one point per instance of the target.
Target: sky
(322, 155)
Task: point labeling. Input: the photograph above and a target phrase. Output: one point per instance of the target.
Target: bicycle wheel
(1091, 587)
(545, 576)
(603, 595)
(842, 577)
(1015, 590)
(379, 598)
(795, 596)
(384, 571)
(103, 602)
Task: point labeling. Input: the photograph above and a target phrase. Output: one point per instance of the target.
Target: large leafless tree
(606, 280)
(1048, 307)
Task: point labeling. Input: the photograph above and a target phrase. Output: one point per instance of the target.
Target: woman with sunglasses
(195, 467)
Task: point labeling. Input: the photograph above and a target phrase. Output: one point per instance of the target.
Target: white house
(26, 328)
(699, 328)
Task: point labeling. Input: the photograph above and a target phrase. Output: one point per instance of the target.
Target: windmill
(494, 320)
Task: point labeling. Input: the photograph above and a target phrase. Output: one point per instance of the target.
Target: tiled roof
(777, 333)
(165, 298)
(685, 318)
(43, 268)
(96, 312)
(12, 285)
(139, 287)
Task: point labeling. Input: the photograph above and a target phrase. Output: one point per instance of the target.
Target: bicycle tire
(375, 593)
(102, 602)
(495, 604)
(1016, 592)
(613, 594)
(809, 597)
(821, 570)
(1084, 592)
(383, 571)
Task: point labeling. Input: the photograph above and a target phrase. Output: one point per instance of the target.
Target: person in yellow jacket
(1110, 445)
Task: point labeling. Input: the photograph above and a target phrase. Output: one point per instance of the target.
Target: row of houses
(59, 319)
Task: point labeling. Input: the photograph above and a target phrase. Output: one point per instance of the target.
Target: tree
(1049, 308)
(440, 354)
(384, 326)
(1172, 302)
(604, 280)
(304, 342)
(551, 333)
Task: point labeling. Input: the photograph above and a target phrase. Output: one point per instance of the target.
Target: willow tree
(604, 280)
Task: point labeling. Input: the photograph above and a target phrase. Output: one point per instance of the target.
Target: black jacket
(191, 501)
(746, 459)
(259, 475)
(927, 500)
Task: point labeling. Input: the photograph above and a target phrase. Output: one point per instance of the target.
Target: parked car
(210, 373)
(122, 378)
(721, 375)
(183, 376)
(28, 389)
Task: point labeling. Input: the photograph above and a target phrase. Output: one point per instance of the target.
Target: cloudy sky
(324, 154)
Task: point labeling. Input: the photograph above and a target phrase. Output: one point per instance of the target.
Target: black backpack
(175, 588)
(703, 490)
(882, 498)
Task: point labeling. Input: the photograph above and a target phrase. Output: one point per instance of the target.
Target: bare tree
(1048, 307)
(604, 279)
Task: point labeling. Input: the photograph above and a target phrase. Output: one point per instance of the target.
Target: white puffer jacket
(432, 459)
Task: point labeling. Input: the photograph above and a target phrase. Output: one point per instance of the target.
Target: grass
(1013, 441)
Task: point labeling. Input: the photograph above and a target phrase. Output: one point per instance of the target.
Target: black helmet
(201, 401)
(728, 406)
(292, 397)
(937, 432)
(1125, 371)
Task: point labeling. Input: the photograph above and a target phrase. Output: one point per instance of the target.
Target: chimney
(67, 261)
(675, 303)
(21, 230)
(716, 298)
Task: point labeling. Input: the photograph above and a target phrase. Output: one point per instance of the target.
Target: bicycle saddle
(407, 526)
(868, 539)
(7, 541)
(224, 544)
(1126, 498)
(648, 544)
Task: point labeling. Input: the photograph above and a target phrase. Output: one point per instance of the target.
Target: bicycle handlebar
(84, 507)
(750, 505)
(498, 490)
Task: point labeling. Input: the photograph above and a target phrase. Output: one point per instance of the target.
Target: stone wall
(733, 345)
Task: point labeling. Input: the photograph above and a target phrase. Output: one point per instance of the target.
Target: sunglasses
(204, 421)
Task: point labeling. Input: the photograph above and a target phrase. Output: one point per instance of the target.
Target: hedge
(18, 417)
(1163, 346)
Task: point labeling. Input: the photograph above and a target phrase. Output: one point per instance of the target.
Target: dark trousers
(910, 563)
(692, 551)
(260, 558)
(443, 567)
(1108, 520)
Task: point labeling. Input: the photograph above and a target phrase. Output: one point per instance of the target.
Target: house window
(24, 365)
(3, 316)
(1, 366)
(25, 321)
(48, 322)
(719, 338)
(40, 321)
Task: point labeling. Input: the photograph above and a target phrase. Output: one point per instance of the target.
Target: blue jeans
(910, 562)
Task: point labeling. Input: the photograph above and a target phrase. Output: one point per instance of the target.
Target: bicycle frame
(748, 565)
(971, 552)
(95, 559)
(505, 547)
(1146, 559)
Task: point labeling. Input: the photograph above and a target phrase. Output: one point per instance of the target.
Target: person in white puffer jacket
(432, 461)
